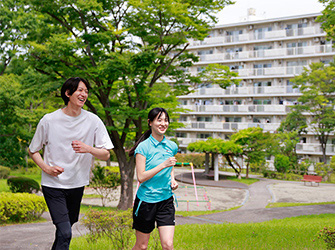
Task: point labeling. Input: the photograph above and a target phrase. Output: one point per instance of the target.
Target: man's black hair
(71, 85)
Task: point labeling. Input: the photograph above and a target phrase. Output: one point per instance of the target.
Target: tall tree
(128, 50)
(317, 85)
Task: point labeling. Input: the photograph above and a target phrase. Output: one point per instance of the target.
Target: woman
(154, 167)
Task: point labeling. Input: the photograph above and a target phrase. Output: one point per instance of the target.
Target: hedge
(23, 185)
(20, 207)
(4, 172)
(198, 159)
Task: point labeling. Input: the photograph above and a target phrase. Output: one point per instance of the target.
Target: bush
(23, 185)
(104, 181)
(116, 225)
(4, 172)
(31, 163)
(328, 235)
(198, 160)
(282, 163)
(20, 207)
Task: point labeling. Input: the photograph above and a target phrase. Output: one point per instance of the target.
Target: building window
(183, 102)
(203, 135)
(233, 102)
(183, 118)
(262, 102)
(260, 33)
(233, 119)
(204, 119)
(181, 135)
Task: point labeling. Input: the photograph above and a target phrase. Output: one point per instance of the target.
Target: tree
(128, 50)
(317, 85)
(327, 18)
(254, 143)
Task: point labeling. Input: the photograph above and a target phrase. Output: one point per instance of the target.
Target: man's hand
(80, 147)
(54, 170)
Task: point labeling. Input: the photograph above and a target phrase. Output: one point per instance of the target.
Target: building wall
(266, 54)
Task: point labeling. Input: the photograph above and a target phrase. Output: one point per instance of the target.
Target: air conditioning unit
(250, 27)
(304, 20)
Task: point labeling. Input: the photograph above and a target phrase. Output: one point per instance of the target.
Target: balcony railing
(314, 148)
(220, 39)
(268, 53)
(246, 90)
(230, 126)
(238, 108)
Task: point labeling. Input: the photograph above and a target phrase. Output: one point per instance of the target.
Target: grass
(248, 181)
(290, 233)
(288, 204)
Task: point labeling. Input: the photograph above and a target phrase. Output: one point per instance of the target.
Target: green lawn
(290, 233)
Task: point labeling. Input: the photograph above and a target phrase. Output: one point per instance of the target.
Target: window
(183, 102)
(260, 32)
(233, 102)
(181, 135)
(262, 84)
(262, 102)
(204, 119)
(233, 119)
(203, 136)
(183, 118)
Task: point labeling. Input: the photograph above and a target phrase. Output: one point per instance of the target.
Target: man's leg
(63, 236)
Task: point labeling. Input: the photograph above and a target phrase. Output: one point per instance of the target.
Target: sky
(268, 9)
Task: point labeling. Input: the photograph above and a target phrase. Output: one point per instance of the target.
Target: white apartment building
(266, 54)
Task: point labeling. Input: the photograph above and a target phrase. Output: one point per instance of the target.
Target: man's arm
(54, 170)
(100, 153)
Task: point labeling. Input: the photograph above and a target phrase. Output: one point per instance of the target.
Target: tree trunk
(127, 179)
(207, 163)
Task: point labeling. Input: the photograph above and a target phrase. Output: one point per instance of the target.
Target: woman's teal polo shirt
(158, 188)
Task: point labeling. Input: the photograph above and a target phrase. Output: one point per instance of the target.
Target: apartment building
(266, 54)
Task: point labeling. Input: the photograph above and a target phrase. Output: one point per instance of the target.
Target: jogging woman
(154, 168)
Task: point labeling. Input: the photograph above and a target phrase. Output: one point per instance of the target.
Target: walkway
(40, 235)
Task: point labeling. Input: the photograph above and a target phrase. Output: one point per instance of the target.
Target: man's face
(79, 97)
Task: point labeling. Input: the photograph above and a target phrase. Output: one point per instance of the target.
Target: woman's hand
(170, 162)
(174, 184)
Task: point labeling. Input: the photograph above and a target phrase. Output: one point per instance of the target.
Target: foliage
(129, 50)
(317, 85)
(282, 163)
(294, 121)
(104, 181)
(4, 172)
(323, 170)
(281, 176)
(23, 185)
(198, 160)
(327, 19)
(20, 207)
(254, 143)
(328, 235)
(303, 166)
(116, 225)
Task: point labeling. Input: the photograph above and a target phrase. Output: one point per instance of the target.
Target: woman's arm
(174, 184)
(143, 175)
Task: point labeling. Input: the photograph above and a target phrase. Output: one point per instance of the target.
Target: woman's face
(159, 125)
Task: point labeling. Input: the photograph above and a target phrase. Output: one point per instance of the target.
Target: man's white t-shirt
(55, 132)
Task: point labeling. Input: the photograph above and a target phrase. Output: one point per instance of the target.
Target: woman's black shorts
(163, 213)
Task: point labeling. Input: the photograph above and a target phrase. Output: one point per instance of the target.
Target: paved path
(40, 235)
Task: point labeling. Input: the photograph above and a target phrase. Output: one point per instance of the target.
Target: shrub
(21, 207)
(23, 185)
(328, 235)
(282, 163)
(198, 160)
(116, 225)
(4, 172)
(31, 163)
(104, 181)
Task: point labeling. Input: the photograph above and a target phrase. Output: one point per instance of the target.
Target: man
(71, 138)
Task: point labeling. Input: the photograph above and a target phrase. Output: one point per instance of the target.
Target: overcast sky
(268, 9)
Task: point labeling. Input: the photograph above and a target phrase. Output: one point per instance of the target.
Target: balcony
(273, 71)
(227, 126)
(262, 90)
(268, 53)
(314, 149)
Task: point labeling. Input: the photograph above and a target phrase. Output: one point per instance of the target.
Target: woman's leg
(142, 240)
(166, 234)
